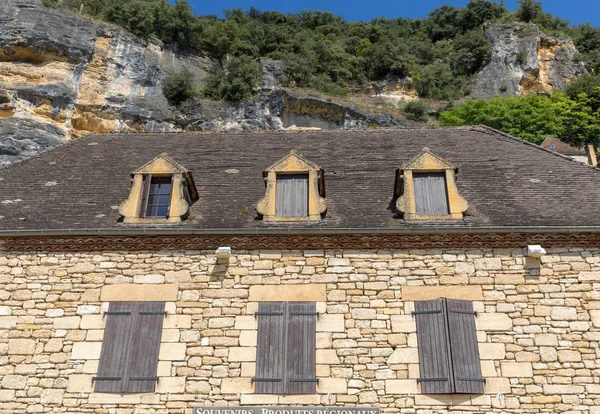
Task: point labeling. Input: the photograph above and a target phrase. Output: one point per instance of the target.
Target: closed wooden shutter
(143, 357)
(291, 195)
(130, 347)
(270, 358)
(301, 348)
(431, 196)
(466, 365)
(432, 340)
(145, 193)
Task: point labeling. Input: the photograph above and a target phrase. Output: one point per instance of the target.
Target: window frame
(442, 174)
(305, 176)
(149, 180)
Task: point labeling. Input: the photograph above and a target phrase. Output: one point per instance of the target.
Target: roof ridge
(538, 147)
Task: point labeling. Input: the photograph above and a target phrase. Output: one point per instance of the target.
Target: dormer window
(157, 196)
(162, 191)
(426, 189)
(295, 191)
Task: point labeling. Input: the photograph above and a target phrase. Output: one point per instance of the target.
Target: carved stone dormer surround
(182, 182)
(294, 163)
(426, 162)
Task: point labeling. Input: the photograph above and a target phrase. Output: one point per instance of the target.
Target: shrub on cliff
(237, 80)
(179, 87)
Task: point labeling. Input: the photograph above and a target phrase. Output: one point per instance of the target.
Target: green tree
(580, 121)
(531, 117)
(238, 80)
(529, 10)
(179, 87)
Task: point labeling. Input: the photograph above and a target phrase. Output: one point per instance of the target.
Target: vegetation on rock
(323, 52)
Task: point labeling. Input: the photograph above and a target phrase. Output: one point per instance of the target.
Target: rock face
(62, 76)
(525, 60)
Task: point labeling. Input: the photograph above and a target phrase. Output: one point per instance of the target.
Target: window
(286, 349)
(129, 355)
(292, 195)
(447, 343)
(431, 197)
(157, 196)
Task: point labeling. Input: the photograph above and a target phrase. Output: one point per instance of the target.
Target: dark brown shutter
(301, 376)
(129, 355)
(431, 196)
(145, 191)
(270, 352)
(432, 339)
(114, 356)
(463, 346)
(143, 357)
(291, 195)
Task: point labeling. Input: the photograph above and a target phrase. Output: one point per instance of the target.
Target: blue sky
(575, 11)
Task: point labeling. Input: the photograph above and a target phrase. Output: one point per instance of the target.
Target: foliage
(321, 51)
(573, 117)
(531, 117)
(237, 81)
(179, 87)
(415, 110)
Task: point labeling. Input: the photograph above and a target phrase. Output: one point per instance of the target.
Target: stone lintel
(436, 292)
(138, 292)
(288, 293)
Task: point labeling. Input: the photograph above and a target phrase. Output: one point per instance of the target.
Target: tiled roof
(561, 147)
(507, 182)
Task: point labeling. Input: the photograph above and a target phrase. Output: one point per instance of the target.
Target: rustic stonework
(538, 329)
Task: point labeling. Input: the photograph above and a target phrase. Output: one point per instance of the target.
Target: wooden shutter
(114, 356)
(145, 191)
(431, 196)
(130, 347)
(432, 340)
(143, 356)
(291, 195)
(463, 347)
(301, 376)
(270, 351)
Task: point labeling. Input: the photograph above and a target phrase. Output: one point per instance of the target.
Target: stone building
(400, 271)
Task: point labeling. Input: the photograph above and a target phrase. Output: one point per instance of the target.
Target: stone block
(363, 313)
(327, 356)
(559, 389)
(569, 356)
(7, 395)
(172, 352)
(407, 386)
(21, 347)
(52, 396)
(242, 354)
(137, 292)
(404, 356)
(181, 276)
(69, 322)
(332, 385)
(259, 399)
(559, 313)
(595, 315)
(497, 386)
(236, 385)
(517, 370)
(93, 322)
(246, 322)
(177, 322)
(198, 387)
(403, 324)
(80, 383)
(331, 323)
(312, 399)
(14, 382)
(435, 292)
(8, 322)
(548, 354)
(248, 338)
(173, 385)
(170, 335)
(546, 340)
(492, 351)
(488, 263)
(288, 293)
(324, 340)
(493, 322)
(86, 350)
(112, 398)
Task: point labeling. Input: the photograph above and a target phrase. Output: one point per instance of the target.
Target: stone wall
(538, 327)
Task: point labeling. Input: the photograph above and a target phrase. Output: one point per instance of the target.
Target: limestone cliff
(525, 60)
(62, 76)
